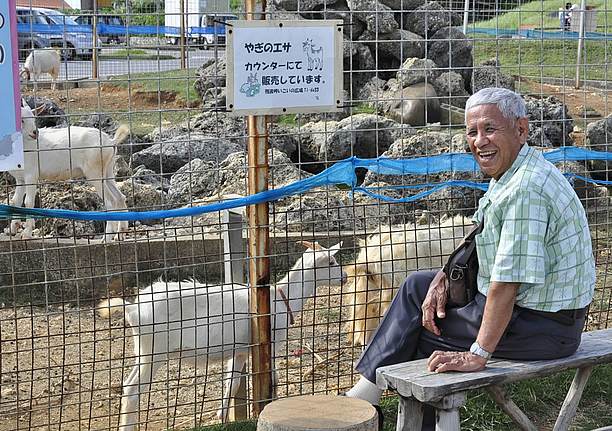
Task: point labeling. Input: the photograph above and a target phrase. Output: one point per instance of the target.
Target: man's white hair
(511, 104)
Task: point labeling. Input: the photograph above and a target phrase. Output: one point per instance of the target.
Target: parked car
(26, 42)
(114, 35)
(28, 35)
(73, 40)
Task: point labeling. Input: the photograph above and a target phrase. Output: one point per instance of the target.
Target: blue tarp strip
(110, 30)
(342, 172)
(540, 34)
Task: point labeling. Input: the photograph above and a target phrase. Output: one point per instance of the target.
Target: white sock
(365, 390)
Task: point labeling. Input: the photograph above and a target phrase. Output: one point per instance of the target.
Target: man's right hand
(435, 302)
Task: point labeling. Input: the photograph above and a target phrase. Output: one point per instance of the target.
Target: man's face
(495, 141)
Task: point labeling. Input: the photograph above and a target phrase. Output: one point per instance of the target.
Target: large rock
(169, 156)
(372, 212)
(50, 115)
(361, 135)
(451, 50)
(143, 175)
(599, 138)
(216, 124)
(429, 18)
(403, 5)
(381, 22)
(450, 89)
(142, 197)
(195, 180)
(304, 5)
(283, 138)
(232, 173)
(321, 211)
(489, 74)
(455, 200)
(417, 70)
(313, 136)
(210, 84)
(372, 92)
(79, 196)
(100, 121)
(550, 123)
(415, 105)
(393, 49)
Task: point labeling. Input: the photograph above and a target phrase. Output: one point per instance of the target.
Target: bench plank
(411, 379)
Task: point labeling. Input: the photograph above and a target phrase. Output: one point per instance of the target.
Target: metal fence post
(580, 41)
(182, 38)
(94, 39)
(234, 257)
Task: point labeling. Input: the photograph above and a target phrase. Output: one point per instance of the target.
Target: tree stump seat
(318, 413)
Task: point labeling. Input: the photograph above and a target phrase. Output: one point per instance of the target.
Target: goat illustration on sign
(314, 55)
(252, 86)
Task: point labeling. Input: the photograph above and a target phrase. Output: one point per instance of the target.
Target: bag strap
(468, 244)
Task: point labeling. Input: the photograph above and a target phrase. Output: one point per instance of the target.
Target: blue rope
(342, 172)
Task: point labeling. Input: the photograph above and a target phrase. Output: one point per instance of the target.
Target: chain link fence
(159, 69)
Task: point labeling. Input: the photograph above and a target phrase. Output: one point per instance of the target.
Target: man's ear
(522, 125)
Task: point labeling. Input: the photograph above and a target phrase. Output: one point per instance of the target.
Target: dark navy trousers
(400, 337)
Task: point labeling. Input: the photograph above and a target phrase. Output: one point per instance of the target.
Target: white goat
(199, 322)
(384, 261)
(39, 62)
(62, 154)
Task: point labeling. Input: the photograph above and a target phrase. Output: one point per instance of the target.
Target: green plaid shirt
(536, 233)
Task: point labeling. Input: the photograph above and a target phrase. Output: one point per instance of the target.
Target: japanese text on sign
(280, 67)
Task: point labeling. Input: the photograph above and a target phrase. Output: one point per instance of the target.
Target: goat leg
(233, 373)
(30, 197)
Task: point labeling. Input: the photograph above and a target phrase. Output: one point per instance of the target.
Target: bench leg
(501, 398)
(568, 409)
(409, 415)
(447, 412)
(447, 420)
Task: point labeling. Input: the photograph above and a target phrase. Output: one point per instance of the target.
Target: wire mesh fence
(160, 69)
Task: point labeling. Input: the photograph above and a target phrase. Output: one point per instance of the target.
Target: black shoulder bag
(461, 270)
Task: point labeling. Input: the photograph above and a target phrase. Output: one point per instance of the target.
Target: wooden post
(234, 265)
(259, 263)
(182, 38)
(580, 40)
(94, 39)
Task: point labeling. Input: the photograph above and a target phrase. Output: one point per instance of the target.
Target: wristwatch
(477, 350)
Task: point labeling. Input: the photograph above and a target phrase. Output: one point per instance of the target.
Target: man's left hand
(441, 362)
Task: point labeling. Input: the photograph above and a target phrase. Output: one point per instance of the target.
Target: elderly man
(536, 269)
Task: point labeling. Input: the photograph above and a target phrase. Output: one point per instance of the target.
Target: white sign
(278, 67)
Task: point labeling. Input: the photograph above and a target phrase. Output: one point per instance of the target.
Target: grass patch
(545, 58)
(178, 81)
(132, 53)
(544, 14)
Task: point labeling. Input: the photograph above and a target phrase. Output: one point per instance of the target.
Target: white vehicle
(73, 43)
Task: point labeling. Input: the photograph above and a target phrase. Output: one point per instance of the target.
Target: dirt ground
(110, 98)
(62, 369)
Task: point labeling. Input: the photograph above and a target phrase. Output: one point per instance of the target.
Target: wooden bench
(447, 392)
